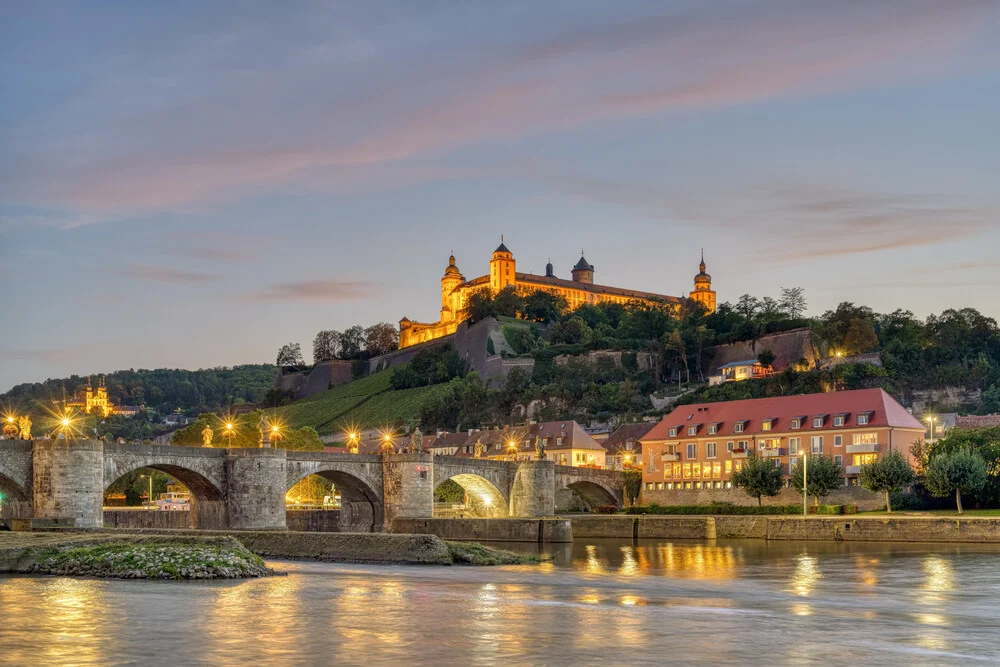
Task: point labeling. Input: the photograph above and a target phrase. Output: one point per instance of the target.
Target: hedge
(730, 508)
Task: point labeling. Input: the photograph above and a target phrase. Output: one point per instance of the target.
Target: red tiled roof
(573, 435)
(551, 281)
(625, 433)
(977, 421)
(883, 411)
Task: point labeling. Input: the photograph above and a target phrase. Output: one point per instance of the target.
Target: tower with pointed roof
(449, 284)
(703, 292)
(502, 268)
(583, 272)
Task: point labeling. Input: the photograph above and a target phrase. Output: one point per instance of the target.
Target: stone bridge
(245, 488)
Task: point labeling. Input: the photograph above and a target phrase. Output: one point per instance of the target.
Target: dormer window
(673, 431)
(839, 420)
(818, 421)
(796, 422)
(863, 418)
(766, 424)
(739, 426)
(713, 429)
(693, 429)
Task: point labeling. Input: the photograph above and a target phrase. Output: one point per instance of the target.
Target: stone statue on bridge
(539, 448)
(10, 429)
(24, 424)
(417, 441)
(477, 449)
(265, 431)
(206, 436)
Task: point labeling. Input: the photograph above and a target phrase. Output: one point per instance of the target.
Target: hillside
(163, 389)
(369, 402)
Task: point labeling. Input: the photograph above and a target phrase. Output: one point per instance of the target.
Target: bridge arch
(591, 493)
(11, 490)
(361, 505)
(482, 498)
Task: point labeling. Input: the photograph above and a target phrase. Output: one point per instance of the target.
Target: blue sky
(195, 184)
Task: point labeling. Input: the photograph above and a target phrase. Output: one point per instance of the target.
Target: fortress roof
(552, 281)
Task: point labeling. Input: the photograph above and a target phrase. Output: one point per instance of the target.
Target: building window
(649, 486)
(713, 429)
(659, 486)
(696, 470)
(706, 471)
(839, 460)
(864, 459)
(743, 445)
(692, 452)
(670, 486)
(729, 446)
(697, 485)
(816, 444)
(673, 431)
(865, 438)
(792, 460)
(838, 440)
(677, 470)
(796, 423)
(817, 422)
(765, 425)
(738, 427)
(717, 469)
(862, 420)
(838, 420)
(729, 485)
(687, 471)
(710, 450)
(692, 430)
(729, 467)
(687, 485)
(793, 445)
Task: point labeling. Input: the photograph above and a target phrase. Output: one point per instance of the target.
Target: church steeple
(703, 292)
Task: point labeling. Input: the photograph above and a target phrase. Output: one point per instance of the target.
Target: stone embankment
(843, 528)
(130, 556)
(489, 530)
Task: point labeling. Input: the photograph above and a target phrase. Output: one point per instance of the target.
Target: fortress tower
(502, 268)
(703, 292)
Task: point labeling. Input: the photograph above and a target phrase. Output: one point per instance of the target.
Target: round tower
(452, 278)
(583, 272)
(703, 292)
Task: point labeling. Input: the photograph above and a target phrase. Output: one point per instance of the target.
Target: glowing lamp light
(65, 421)
(10, 420)
(487, 501)
(229, 427)
(274, 429)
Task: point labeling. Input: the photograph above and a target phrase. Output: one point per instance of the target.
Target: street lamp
(805, 484)
(352, 442)
(229, 432)
(930, 422)
(512, 450)
(149, 499)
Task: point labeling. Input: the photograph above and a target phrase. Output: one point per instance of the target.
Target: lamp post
(805, 484)
(149, 499)
(229, 433)
(930, 422)
(352, 442)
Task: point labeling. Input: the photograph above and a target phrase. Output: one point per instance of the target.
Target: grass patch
(473, 553)
(932, 513)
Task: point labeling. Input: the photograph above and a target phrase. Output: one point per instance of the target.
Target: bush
(826, 509)
(715, 508)
(850, 509)
(606, 509)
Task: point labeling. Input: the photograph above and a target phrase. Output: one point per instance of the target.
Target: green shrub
(826, 509)
(850, 509)
(715, 508)
(606, 509)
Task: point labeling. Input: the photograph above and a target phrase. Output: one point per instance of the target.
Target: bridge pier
(407, 487)
(68, 481)
(533, 493)
(256, 488)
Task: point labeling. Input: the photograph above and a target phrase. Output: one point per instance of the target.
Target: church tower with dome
(703, 292)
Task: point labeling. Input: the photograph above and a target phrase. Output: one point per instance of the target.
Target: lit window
(659, 486)
(717, 469)
(697, 485)
(687, 485)
(864, 459)
(765, 425)
(687, 471)
(729, 467)
(865, 438)
(696, 470)
(677, 470)
(710, 450)
(670, 486)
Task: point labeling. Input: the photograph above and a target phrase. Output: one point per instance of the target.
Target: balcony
(740, 453)
(853, 470)
(772, 451)
(667, 457)
(862, 449)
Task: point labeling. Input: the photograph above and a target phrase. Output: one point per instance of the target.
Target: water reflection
(597, 600)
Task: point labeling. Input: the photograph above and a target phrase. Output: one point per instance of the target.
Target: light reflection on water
(719, 602)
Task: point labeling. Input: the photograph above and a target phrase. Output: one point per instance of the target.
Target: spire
(501, 247)
(702, 265)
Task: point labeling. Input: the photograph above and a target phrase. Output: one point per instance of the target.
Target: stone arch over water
(208, 501)
(361, 507)
(482, 498)
(589, 494)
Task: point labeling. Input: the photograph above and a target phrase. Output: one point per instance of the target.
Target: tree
(748, 306)
(823, 475)
(632, 480)
(573, 331)
(325, 346)
(766, 358)
(352, 342)
(290, 354)
(675, 344)
(793, 301)
(381, 338)
(759, 476)
(889, 474)
(961, 471)
(542, 306)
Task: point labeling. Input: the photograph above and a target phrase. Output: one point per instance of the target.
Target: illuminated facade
(580, 289)
(700, 446)
(96, 400)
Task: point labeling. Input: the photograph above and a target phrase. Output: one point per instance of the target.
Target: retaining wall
(315, 521)
(146, 519)
(489, 530)
(840, 529)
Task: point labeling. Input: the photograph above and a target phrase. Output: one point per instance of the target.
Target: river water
(610, 601)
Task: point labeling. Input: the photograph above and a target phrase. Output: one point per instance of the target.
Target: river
(597, 601)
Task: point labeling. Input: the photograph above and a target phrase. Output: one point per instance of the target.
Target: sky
(193, 184)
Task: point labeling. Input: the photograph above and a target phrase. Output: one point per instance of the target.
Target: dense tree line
(163, 390)
(356, 342)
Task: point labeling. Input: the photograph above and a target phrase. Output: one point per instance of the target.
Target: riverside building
(698, 447)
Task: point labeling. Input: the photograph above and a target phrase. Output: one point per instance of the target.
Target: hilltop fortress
(580, 289)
